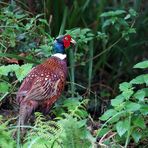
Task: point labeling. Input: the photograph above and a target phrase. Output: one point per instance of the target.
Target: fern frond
(76, 107)
(75, 134)
(5, 135)
(45, 132)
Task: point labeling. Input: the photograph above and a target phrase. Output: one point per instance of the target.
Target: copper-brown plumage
(43, 85)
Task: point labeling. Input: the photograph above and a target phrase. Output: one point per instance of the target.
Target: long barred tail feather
(26, 108)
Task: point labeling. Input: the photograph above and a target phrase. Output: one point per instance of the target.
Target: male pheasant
(45, 83)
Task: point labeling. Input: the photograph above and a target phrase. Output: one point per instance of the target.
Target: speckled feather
(44, 81)
(42, 87)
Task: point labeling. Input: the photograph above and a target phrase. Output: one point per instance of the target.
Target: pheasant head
(62, 42)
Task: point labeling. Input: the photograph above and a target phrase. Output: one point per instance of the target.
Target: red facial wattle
(66, 41)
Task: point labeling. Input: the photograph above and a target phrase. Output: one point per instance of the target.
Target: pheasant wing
(43, 91)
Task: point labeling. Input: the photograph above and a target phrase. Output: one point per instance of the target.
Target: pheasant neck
(59, 55)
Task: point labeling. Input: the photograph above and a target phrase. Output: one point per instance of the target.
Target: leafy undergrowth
(125, 123)
(67, 130)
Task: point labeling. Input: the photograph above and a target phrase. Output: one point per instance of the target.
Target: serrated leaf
(136, 135)
(118, 100)
(140, 94)
(124, 86)
(142, 65)
(122, 127)
(127, 94)
(109, 113)
(131, 106)
(23, 71)
(4, 70)
(140, 79)
(139, 122)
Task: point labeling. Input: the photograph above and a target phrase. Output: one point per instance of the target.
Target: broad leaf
(127, 94)
(4, 70)
(144, 109)
(122, 127)
(141, 65)
(131, 106)
(139, 122)
(140, 94)
(140, 79)
(125, 86)
(23, 71)
(109, 113)
(102, 131)
(136, 136)
(118, 100)
(4, 87)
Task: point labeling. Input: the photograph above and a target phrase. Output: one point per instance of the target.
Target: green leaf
(109, 113)
(127, 16)
(139, 122)
(140, 79)
(23, 71)
(144, 109)
(4, 70)
(112, 13)
(107, 23)
(127, 94)
(140, 94)
(102, 131)
(132, 12)
(4, 87)
(130, 106)
(117, 117)
(125, 86)
(118, 100)
(142, 65)
(122, 127)
(136, 135)
(44, 21)
(71, 103)
(101, 35)
(131, 30)
(146, 91)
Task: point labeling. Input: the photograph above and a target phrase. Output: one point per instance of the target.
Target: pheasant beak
(73, 42)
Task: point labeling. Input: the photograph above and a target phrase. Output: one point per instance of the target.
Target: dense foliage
(111, 37)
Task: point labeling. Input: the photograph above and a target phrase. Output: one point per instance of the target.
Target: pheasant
(45, 83)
